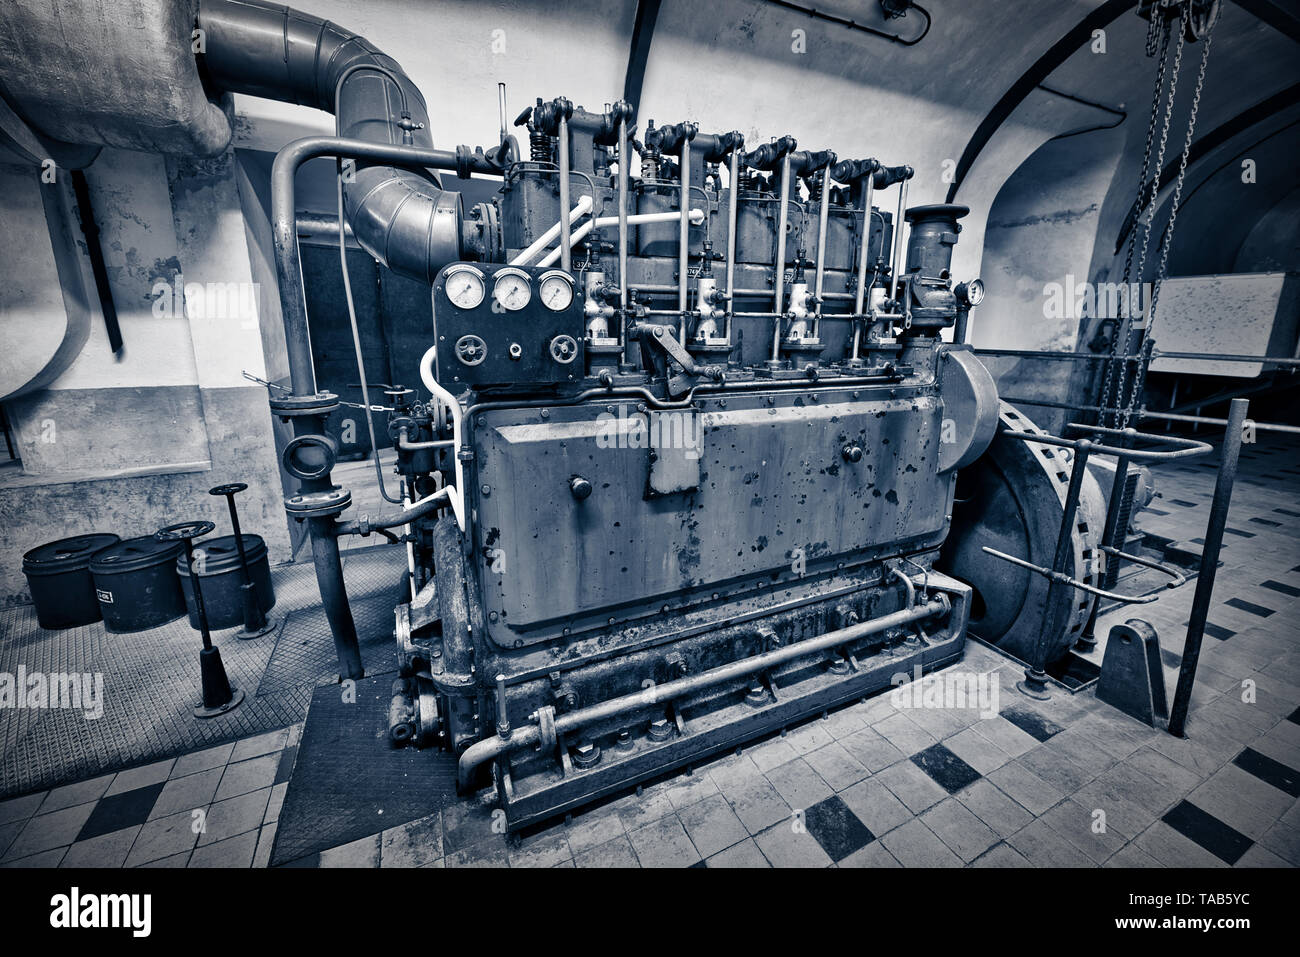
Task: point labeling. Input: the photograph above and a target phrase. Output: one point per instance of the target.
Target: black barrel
(58, 574)
(137, 585)
(222, 579)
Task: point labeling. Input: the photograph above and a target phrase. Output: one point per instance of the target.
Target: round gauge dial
(512, 289)
(556, 291)
(465, 287)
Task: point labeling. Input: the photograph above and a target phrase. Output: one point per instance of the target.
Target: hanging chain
(1166, 240)
(1157, 31)
(1126, 397)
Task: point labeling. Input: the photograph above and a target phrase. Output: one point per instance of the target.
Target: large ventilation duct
(401, 217)
(104, 73)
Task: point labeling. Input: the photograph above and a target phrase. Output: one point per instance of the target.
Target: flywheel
(1012, 499)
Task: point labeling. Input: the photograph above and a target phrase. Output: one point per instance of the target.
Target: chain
(1166, 240)
(1127, 397)
(1157, 29)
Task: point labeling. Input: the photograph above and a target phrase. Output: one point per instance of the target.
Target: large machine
(684, 452)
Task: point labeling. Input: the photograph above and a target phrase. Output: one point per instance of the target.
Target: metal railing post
(1209, 566)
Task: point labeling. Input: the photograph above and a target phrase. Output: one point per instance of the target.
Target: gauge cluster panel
(498, 325)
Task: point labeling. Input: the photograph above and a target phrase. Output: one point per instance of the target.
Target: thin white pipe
(456, 496)
(696, 217)
(581, 206)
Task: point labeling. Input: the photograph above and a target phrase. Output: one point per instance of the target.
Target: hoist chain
(1157, 32)
(1166, 240)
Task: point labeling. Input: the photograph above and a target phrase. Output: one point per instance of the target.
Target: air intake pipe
(402, 217)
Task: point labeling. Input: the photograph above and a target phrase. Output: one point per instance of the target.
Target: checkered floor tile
(1067, 782)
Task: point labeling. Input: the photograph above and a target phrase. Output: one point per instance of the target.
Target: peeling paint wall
(132, 442)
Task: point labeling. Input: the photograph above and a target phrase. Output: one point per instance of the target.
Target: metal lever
(1067, 580)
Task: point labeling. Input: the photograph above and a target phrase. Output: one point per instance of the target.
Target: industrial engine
(685, 448)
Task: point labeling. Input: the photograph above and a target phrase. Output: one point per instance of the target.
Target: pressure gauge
(556, 290)
(464, 285)
(512, 290)
(971, 293)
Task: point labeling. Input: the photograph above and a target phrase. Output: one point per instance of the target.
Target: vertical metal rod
(732, 210)
(684, 237)
(1088, 639)
(503, 716)
(1035, 681)
(623, 159)
(959, 330)
(860, 299)
(897, 265)
(566, 248)
(501, 110)
(778, 266)
(334, 598)
(823, 214)
(197, 589)
(1209, 566)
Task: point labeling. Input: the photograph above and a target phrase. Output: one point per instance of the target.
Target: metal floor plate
(151, 678)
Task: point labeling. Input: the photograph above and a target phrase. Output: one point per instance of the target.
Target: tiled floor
(1068, 782)
(151, 678)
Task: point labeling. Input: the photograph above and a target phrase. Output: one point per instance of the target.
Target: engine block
(703, 436)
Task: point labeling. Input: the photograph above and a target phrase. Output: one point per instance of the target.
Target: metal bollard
(218, 694)
(256, 622)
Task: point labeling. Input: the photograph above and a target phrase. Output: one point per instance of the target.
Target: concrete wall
(130, 442)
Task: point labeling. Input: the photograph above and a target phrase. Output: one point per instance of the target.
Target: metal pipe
(579, 234)
(898, 240)
(288, 267)
(778, 267)
(566, 244)
(1162, 416)
(489, 749)
(823, 212)
(501, 111)
(684, 236)
(545, 239)
(1156, 354)
(860, 297)
(623, 159)
(1035, 681)
(334, 599)
(733, 208)
(1209, 566)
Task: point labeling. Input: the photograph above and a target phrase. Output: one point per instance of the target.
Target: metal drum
(222, 579)
(58, 574)
(136, 584)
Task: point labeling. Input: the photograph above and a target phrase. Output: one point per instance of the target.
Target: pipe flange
(309, 457)
(289, 406)
(547, 739)
(323, 504)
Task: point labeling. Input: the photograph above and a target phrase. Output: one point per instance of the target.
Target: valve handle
(231, 488)
(182, 531)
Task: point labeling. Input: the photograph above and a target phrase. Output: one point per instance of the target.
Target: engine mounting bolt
(486, 489)
(546, 413)
(852, 453)
(492, 616)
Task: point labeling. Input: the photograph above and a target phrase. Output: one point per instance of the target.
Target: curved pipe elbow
(401, 217)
